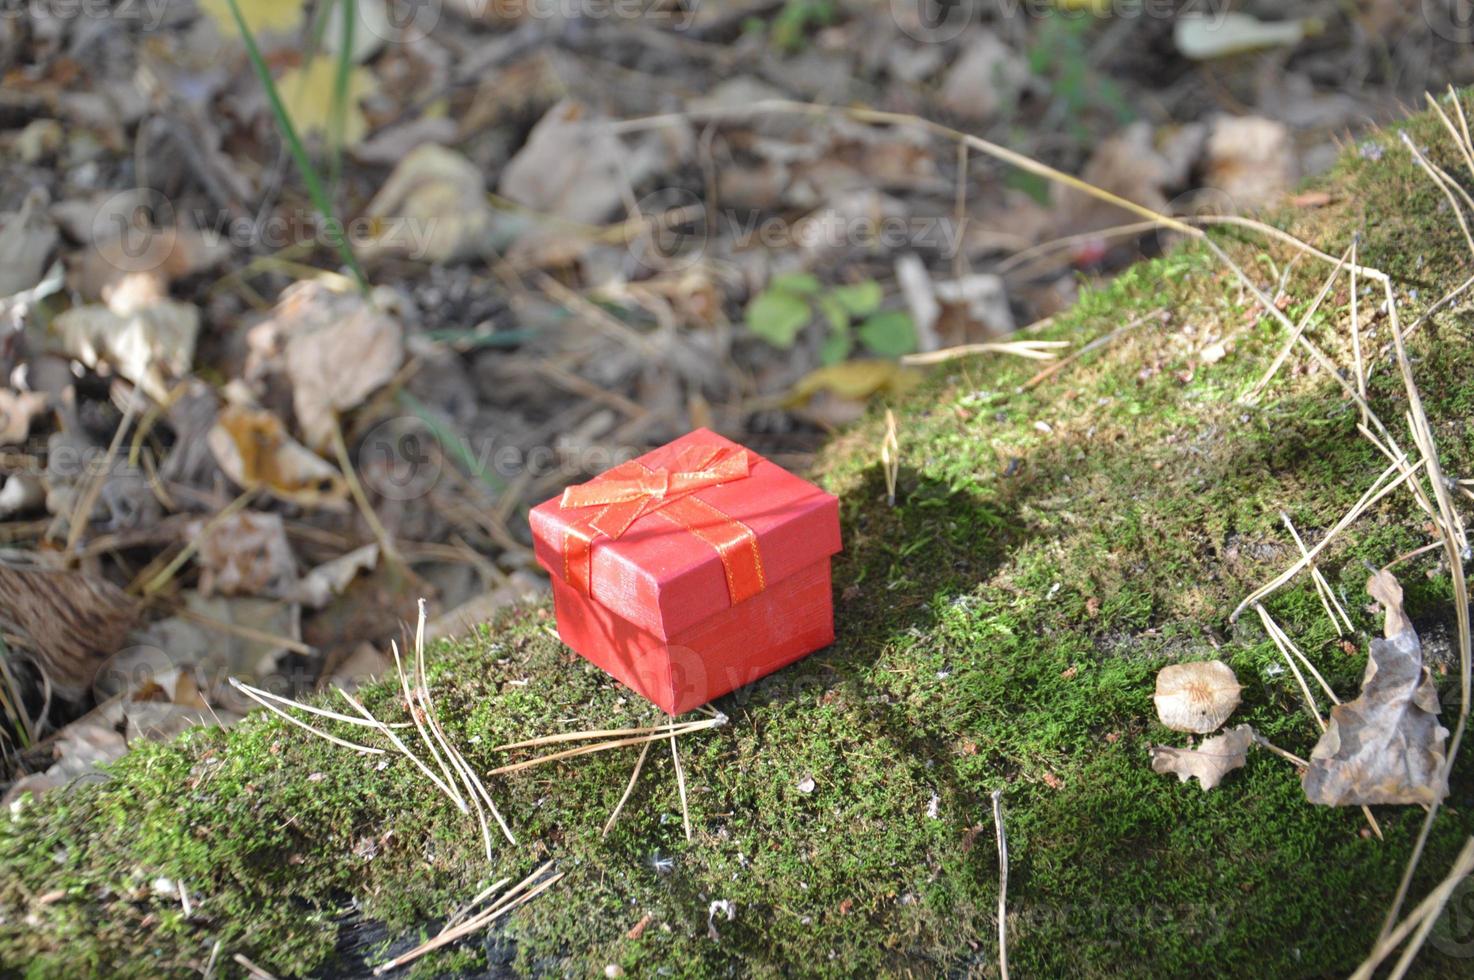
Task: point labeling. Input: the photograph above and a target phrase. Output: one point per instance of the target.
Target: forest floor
(535, 278)
(1054, 542)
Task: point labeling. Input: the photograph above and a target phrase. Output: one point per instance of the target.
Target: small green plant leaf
(889, 333)
(861, 299)
(801, 283)
(836, 347)
(777, 316)
(834, 312)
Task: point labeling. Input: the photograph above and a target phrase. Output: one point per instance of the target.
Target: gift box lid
(664, 578)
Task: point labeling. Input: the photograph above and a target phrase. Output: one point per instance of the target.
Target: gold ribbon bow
(633, 490)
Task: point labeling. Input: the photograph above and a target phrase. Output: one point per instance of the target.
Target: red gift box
(691, 571)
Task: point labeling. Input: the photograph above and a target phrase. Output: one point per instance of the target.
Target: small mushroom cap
(1196, 697)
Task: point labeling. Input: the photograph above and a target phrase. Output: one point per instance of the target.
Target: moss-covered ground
(1000, 628)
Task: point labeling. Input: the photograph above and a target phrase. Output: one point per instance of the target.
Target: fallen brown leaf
(638, 929)
(17, 410)
(1387, 745)
(254, 450)
(244, 554)
(335, 348)
(1210, 762)
(432, 208)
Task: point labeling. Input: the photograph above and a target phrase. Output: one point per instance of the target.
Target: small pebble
(806, 785)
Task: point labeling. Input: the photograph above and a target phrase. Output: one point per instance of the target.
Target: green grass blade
(452, 441)
(299, 152)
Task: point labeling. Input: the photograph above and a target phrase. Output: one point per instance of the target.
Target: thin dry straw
(422, 692)
(1002, 884)
(414, 714)
(480, 897)
(369, 722)
(1361, 374)
(1427, 912)
(1285, 646)
(1387, 445)
(474, 786)
(81, 514)
(486, 797)
(890, 456)
(1327, 595)
(1315, 352)
(875, 116)
(350, 476)
(366, 749)
(404, 749)
(1266, 744)
(1455, 549)
(1273, 631)
(1372, 495)
(1284, 638)
(517, 896)
(1460, 140)
(1094, 345)
(660, 730)
(694, 726)
(994, 150)
(681, 786)
(1034, 350)
(630, 788)
(1442, 181)
(1300, 328)
(1457, 544)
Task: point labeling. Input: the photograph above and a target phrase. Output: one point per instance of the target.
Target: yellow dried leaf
(856, 380)
(272, 16)
(308, 94)
(253, 448)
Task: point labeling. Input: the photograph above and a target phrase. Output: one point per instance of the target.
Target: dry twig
(1002, 884)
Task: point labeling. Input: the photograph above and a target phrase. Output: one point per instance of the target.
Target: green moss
(1000, 628)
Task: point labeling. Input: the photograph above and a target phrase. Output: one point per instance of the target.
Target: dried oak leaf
(336, 349)
(1196, 697)
(18, 409)
(1386, 746)
(149, 343)
(244, 554)
(1210, 762)
(254, 450)
(433, 208)
(319, 586)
